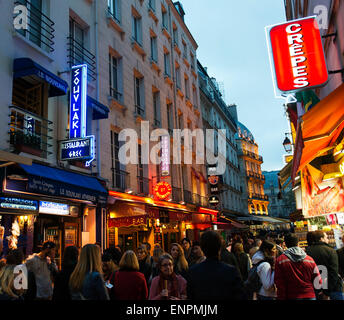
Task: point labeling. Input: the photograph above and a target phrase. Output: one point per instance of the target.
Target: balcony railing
(187, 196)
(139, 111)
(252, 155)
(195, 198)
(40, 29)
(120, 179)
(258, 196)
(116, 94)
(143, 185)
(252, 174)
(30, 133)
(177, 194)
(78, 54)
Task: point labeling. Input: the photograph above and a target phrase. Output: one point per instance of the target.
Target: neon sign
(165, 155)
(19, 204)
(296, 55)
(77, 149)
(78, 95)
(53, 208)
(162, 190)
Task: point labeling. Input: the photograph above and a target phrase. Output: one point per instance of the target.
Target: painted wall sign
(78, 100)
(162, 190)
(53, 208)
(297, 55)
(77, 149)
(165, 155)
(19, 204)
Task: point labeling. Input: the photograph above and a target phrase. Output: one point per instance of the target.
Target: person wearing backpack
(263, 262)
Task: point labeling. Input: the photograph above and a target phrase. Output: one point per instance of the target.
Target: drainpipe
(175, 97)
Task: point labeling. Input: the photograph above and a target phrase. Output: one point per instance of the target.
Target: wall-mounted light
(287, 144)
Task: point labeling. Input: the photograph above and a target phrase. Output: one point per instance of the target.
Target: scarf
(174, 291)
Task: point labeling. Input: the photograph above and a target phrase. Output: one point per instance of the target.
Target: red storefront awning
(319, 129)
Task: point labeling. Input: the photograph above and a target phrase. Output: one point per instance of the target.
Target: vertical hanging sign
(78, 95)
(165, 155)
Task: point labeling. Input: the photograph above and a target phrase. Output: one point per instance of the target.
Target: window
(114, 8)
(119, 176)
(142, 173)
(137, 29)
(185, 50)
(156, 106)
(139, 96)
(192, 58)
(180, 121)
(151, 4)
(167, 64)
(154, 49)
(194, 92)
(169, 118)
(77, 33)
(115, 78)
(164, 18)
(187, 88)
(178, 77)
(175, 36)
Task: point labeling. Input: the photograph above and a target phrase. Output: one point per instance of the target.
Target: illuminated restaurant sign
(80, 149)
(78, 95)
(53, 208)
(19, 204)
(162, 190)
(297, 55)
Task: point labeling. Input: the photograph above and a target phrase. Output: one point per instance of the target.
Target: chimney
(180, 9)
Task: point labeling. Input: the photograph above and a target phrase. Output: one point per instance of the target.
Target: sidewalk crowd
(242, 268)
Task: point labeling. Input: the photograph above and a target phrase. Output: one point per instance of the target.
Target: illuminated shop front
(49, 204)
(133, 220)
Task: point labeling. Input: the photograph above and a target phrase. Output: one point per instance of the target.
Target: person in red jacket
(296, 273)
(130, 284)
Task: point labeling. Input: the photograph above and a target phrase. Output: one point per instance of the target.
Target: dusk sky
(232, 45)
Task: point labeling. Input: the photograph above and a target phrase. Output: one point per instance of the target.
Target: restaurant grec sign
(297, 55)
(79, 146)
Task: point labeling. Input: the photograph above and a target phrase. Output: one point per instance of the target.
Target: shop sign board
(213, 180)
(127, 221)
(214, 200)
(78, 100)
(297, 55)
(162, 190)
(340, 218)
(53, 208)
(77, 149)
(18, 204)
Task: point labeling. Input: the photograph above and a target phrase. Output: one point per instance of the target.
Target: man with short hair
(295, 273)
(43, 266)
(325, 256)
(212, 279)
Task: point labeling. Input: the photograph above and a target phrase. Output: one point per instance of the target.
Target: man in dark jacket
(228, 257)
(295, 273)
(325, 256)
(144, 261)
(340, 253)
(212, 279)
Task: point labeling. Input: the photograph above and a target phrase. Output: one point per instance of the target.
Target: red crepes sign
(298, 55)
(162, 190)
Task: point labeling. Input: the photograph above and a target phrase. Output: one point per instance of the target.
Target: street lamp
(287, 144)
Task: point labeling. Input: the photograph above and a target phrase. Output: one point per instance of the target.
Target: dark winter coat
(340, 253)
(146, 267)
(229, 258)
(214, 280)
(324, 255)
(61, 285)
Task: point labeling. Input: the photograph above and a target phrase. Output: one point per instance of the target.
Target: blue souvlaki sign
(81, 149)
(79, 146)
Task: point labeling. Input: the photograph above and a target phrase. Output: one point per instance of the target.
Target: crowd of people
(243, 267)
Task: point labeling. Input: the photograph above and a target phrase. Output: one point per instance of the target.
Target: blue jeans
(336, 296)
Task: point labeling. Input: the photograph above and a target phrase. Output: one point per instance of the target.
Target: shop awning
(64, 179)
(23, 67)
(232, 223)
(99, 111)
(320, 128)
(9, 158)
(285, 173)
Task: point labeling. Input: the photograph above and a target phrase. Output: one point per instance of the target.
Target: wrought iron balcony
(30, 133)
(143, 185)
(120, 179)
(78, 54)
(140, 111)
(251, 155)
(252, 174)
(116, 94)
(40, 29)
(258, 196)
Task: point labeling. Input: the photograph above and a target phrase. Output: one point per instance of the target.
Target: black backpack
(253, 282)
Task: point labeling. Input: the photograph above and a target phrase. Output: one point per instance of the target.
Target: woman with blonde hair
(180, 264)
(7, 290)
(86, 282)
(130, 284)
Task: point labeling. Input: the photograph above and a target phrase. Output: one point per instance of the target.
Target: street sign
(77, 149)
(297, 55)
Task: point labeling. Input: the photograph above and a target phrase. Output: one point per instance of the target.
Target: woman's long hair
(89, 261)
(7, 281)
(181, 262)
(129, 262)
